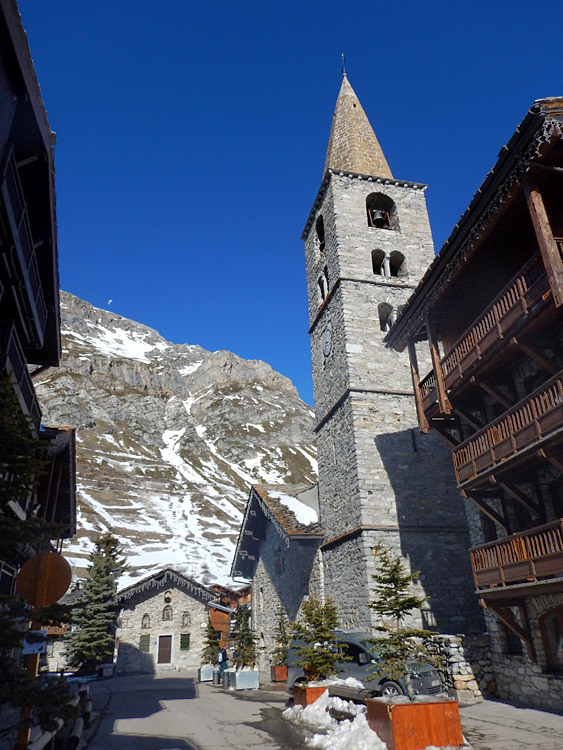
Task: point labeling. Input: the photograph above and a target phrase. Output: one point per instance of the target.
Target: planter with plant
(209, 654)
(319, 655)
(278, 669)
(245, 676)
(401, 650)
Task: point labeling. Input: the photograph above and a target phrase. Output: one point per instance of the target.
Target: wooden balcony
(535, 418)
(527, 557)
(524, 293)
(22, 256)
(13, 364)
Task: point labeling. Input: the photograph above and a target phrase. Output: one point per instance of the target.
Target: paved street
(172, 711)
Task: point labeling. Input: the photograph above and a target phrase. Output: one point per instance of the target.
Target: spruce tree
(96, 612)
(210, 645)
(283, 637)
(245, 639)
(320, 654)
(399, 647)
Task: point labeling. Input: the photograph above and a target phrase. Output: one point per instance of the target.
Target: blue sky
(191, 139)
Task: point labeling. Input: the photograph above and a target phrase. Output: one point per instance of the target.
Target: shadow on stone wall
(293, 583)
(132, 661)
(433, 527)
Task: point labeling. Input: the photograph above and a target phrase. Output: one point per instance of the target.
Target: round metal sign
(44, 579)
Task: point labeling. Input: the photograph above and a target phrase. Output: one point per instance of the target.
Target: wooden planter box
(414, 725)
(304, 696)
(278, 672)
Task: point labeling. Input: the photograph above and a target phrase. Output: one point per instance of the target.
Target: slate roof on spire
(352, 146)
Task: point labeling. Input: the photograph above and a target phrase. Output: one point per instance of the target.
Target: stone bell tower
(367, 243)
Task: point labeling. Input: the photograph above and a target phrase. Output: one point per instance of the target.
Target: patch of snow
(188, 369)
(256, 427)
(303, 513)
(312, 460)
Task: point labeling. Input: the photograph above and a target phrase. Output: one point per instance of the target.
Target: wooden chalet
(29, 280)
(489, 311)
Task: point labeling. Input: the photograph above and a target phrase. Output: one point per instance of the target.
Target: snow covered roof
(164, 578)
(292, 509)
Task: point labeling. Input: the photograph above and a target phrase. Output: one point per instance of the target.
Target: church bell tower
(367, 243)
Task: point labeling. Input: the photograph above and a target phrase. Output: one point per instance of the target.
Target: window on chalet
(167, 613)
(184, 641)
(551, 626)
(144, 643)
(145, 622)
(320, 229)
(381, 212)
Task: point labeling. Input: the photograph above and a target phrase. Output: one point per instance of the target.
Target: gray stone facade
(162, 612)
(379, 478)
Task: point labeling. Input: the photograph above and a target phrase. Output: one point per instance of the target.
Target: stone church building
(162, 624)
(367, 244)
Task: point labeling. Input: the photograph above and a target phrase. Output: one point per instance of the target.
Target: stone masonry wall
(189, 616)
(284, 576)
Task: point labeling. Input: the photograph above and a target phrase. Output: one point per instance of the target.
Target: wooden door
(164, 649)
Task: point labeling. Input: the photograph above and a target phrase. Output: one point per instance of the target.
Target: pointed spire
(352, 146)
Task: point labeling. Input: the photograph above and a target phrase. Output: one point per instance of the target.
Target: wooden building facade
(490, 311)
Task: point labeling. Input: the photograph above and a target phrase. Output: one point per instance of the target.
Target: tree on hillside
(210, 645)
(399, 646)
(95, 616)
(245, 638)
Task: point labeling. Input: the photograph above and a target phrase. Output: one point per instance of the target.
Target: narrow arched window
(186, 620)
(381, 212)
(320, 229)
(167, 613)
(397, 266)
(322, 288)
(145, 622)
(377, 262)
(385, 311)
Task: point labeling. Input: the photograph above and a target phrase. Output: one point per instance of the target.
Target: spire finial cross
(343, 65)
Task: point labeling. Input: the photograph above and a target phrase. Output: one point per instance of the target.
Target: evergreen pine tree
(245, 639)
(320, 654)
(210, 645)
(283, 637)
(96, 612)
(399, 646)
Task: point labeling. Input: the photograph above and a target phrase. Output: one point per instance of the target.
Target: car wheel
(390, 688)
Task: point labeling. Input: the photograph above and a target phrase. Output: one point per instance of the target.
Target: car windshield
(370, 647)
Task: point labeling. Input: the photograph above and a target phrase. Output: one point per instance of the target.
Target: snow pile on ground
(330, 734)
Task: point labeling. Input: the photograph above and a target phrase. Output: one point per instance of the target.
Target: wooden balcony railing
(524, 292)
(532, 419)
(14, 365)
(23, 252)
(525, 557)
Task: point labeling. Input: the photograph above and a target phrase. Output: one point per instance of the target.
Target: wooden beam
(470, 420)
(443, 401)
(539, 358)
(422, 421)
(522, 499)
(494, 392)
(554, 461)
(488, 511)
(441, 431)
(548, 246)
(507, 618)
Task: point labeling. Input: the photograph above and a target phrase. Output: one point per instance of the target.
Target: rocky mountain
(169, 438)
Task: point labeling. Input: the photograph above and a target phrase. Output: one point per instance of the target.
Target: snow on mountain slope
(169, 438)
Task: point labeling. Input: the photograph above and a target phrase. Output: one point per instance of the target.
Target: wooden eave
(515, 158)
(161, 579)
(258, 512)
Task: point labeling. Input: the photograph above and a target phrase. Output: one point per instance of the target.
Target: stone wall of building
(284, 576)
(189, 616)
(517, 678)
